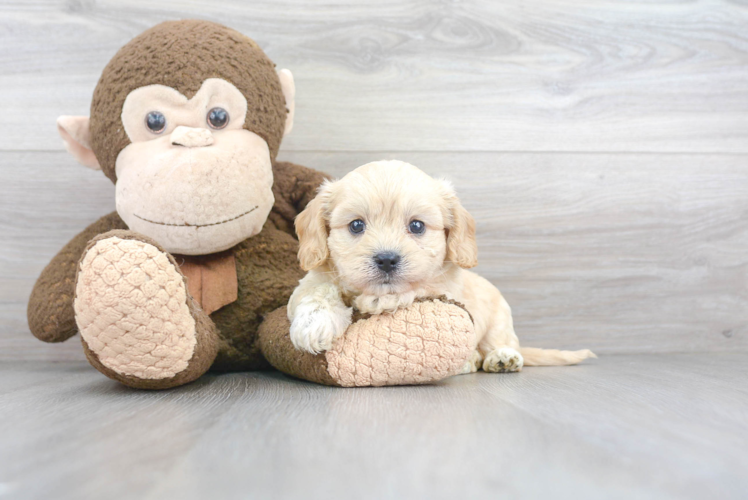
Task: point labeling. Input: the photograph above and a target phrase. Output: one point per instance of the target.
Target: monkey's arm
(293, 187)
(426, 342)
(50, 311)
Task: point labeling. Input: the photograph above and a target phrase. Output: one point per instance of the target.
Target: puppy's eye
(218, 118)
(155, 121)
(357, 226)
(416, 227)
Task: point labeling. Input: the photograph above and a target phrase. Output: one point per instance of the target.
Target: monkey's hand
(377, 304)
(319, 318)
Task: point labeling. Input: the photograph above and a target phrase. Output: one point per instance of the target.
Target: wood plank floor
(644, 426)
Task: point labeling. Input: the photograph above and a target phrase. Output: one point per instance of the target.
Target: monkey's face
(193, 178)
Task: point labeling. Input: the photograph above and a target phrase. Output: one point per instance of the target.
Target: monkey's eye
(416, 227)
(357, 226)
(218, 118)
(155, 121)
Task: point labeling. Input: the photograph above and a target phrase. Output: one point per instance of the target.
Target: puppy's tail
(552, 357)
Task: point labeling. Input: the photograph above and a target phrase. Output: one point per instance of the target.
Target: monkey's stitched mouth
(186, 224)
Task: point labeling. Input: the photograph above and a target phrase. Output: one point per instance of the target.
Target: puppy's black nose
(387, 261)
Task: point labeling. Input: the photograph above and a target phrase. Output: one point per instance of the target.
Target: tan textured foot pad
(131, 309)
(424, 343)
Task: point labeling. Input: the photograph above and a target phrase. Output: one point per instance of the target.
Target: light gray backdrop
(601, 146)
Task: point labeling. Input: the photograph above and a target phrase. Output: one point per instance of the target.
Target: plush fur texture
(50, 311)
(429, 341)
(386, 198)
(266, 267)
(182, 55)
(142, 357)
(131, 308)
(130, 298)
(280, 352)
(194, 188)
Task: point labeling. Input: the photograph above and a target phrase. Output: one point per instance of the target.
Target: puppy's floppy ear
(311, 227)
(462, 248)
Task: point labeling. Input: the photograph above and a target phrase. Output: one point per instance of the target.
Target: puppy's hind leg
(503, 360)
(500, 345)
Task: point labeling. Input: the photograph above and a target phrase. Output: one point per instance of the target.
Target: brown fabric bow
(211, 279)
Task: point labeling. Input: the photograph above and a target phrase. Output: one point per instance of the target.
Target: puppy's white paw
(473, 363)
(319, 319)
(502, 360)
(378, 304)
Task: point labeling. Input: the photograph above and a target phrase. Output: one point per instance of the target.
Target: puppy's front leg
(377, 304)
(318, 315)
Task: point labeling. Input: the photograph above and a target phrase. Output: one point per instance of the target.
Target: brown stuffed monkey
(193, 270)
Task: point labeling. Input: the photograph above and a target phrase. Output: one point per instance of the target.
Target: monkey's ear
(289, 92)
(76, 134)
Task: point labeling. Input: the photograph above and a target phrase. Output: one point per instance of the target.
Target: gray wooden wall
(602, 146)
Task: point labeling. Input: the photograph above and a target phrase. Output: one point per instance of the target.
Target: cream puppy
(384, 235)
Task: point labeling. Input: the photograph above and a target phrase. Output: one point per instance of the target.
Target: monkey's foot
(137, 321)
(502, 360)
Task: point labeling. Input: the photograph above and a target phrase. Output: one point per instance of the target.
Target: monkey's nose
(387, 261)
(191, 137)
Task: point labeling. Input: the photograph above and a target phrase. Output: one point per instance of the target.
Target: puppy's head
(386, 227)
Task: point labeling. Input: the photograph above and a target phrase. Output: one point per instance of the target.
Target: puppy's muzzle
(387, 261)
